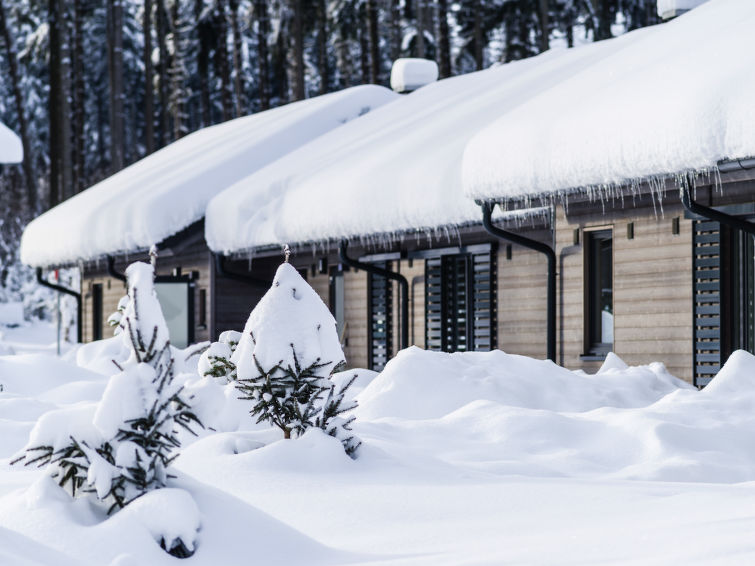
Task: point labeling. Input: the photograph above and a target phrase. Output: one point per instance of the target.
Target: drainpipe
(111, 270)
(487, 222)
(61, 289)
(402, 283)
(253, 281)
(713, 214)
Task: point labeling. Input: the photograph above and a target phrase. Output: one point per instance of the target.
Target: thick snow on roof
(11, 150)
(673, 98)
(394, 170)
(169, 190)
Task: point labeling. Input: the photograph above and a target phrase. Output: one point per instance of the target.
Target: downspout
(487, 222)
(61, 289)
(713, 214)
(253, 281)
(111, 270)
(402, 282)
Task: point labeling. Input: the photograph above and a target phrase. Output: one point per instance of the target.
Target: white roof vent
(668, 9)
(409, 74)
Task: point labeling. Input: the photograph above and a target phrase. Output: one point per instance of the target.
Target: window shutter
(460, 302)
(707, 300)
(380, 323)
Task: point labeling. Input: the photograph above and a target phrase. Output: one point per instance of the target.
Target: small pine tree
(215, 361)
(136, 420)
(287, 354)
(115, 319)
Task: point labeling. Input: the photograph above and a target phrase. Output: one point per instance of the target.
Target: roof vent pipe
(409, 74)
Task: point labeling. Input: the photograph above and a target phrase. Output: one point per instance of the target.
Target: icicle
(153, 256)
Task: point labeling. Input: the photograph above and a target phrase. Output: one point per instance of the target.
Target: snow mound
(290, 316)
(737, 377)
(410, 74)
(169, 514)
(419, 384)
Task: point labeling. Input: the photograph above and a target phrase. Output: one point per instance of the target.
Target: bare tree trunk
(299, 91)
(544, 26)
(115, 59)
(322, 46)
(478, 35)
(444, 46)
(372, 23)
(79, 99)
(23, 127)
(162, 32)
(149, 111)
(221, 59)
(420, 19)
(203, 64)
(238, 79)
(59, 108)
(395, 29)
(364, 46)
(177, 72)
(261, 13)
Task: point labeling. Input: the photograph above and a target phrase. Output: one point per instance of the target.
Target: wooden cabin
(636, 273)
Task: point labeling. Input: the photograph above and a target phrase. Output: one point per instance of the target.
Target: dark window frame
(98, 321)
(595, 289)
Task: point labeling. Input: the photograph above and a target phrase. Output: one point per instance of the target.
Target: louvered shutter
(707, 300)
(460, 302)
(380, 322)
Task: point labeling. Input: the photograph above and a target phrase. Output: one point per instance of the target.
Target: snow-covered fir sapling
(115, 319)
(288, 351)
(128, 444)
(215, 361)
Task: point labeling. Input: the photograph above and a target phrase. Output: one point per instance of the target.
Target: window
(379, 319)
(177, 302)
(598, 292)
(97, 322)
(202, 323)
(460, 301)
(336, 301)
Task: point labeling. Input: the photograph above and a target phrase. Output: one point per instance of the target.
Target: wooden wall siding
(195, 257)
(112, 291)
(522, 284)
(652, 289)
(355, 314)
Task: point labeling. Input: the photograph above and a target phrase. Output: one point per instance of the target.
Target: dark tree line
(93, 85)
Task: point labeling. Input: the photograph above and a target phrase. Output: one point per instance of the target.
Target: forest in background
(91, 86)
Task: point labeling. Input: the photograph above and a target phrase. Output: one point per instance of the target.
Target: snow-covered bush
(216, 360)
(288, 351)
(123, 449)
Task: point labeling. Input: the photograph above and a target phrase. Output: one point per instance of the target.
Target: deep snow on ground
(477, 458)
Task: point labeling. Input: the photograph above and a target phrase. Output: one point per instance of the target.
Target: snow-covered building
(161, 200)
(11, 150)
(646, 153)
(602, 136)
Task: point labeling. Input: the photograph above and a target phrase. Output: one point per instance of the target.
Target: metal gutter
(402, 282)
(61, 289)
(713, 214)
(253, 281)
(487, 222)
(111, 270)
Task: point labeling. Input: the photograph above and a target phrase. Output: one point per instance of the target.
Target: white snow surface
(290, 317)
(11, 150)
(167, 191)
(395, 170)
(469, 458)
(658, 101)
